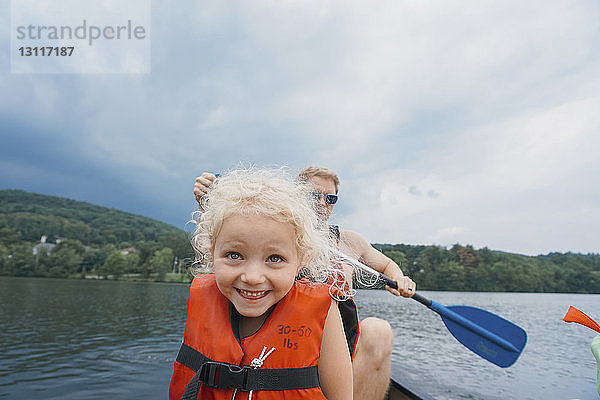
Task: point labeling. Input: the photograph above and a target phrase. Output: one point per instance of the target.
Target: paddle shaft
(438, 308)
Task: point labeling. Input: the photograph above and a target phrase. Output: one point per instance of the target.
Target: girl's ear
(301, 259)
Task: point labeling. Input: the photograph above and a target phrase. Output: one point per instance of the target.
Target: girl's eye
(274, 258)
(234, 256)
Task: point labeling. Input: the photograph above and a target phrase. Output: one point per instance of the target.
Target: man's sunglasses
(329, 198)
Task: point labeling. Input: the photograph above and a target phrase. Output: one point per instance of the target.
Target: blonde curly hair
(269, 192)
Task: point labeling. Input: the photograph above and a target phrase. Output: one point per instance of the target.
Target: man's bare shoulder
(351, 235)
(354, 241)
(355, 245)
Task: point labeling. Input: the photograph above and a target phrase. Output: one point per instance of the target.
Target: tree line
(71, 259)
(463, 268)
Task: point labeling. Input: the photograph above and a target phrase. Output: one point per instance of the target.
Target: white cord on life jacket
(258, 362)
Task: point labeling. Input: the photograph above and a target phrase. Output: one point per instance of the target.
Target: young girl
(253, 330)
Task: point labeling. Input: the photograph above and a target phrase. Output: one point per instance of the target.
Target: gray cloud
(471, 122)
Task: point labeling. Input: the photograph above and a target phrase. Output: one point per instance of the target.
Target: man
(371, 360)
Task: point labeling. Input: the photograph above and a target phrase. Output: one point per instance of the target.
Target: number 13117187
(46, 51)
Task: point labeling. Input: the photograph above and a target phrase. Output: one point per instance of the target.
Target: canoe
(402, 388)
(402, 391)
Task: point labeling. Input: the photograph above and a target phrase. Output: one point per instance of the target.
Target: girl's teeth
(252, 294)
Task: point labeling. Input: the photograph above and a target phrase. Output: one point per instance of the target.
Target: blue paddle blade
(485, 334)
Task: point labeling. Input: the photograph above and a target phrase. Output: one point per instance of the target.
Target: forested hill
(33, 215)
(82, 239)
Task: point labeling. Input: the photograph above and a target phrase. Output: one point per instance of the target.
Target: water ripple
(67, 339)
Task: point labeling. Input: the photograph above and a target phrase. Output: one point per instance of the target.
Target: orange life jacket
(213, 361)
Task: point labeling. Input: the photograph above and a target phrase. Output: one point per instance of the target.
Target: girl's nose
(253, 273)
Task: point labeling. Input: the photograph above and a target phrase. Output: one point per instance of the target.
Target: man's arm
(354, 245)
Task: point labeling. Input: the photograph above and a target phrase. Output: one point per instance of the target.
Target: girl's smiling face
(255, 261)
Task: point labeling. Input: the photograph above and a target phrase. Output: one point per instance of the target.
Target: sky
(471, 122)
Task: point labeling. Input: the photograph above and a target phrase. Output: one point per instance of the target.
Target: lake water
(72, 339)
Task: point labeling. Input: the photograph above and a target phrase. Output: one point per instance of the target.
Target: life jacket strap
(229, 376)
(349, 314)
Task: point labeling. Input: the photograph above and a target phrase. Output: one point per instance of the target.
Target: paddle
(578, 316)
(484, 333)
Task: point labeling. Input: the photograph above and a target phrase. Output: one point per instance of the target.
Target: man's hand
(202, 184)
(353, 243)
(406, 286)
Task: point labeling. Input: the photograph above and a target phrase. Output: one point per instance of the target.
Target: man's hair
(323, 172)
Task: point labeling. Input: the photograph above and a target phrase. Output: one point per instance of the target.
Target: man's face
(324, 186)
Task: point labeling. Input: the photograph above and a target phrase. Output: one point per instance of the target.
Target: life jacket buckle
(225, 376)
